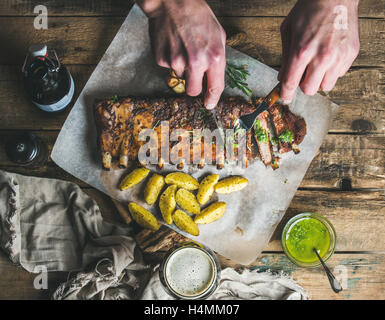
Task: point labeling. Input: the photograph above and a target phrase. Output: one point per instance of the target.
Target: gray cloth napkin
(53, 223)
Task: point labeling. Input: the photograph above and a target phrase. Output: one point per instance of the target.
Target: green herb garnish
(287, 136)
(202, 113)
(274, 141)
(156, 124)
(236, 78)
(115, 98)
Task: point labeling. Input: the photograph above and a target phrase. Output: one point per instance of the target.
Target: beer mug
(190, 271)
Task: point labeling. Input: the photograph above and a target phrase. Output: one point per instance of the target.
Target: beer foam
(189, 272)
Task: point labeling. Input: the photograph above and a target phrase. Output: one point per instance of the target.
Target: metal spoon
(336, 286)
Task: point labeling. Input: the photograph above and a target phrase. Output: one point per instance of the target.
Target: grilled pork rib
(119, 122)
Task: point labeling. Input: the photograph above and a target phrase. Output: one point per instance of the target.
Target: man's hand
(320, 41)
(187, 37)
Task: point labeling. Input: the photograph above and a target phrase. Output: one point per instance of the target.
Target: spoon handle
(336, 286)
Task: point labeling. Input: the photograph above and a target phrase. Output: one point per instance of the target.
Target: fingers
(330, 79)
(296, 64)
(215, 82)
(178, 64)
(331, 75)
(352, 54)
(158, 46)
(160, 54)
(194, 78)
(315, 73)
(177, 57)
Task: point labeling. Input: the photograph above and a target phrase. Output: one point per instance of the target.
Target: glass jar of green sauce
(304, 232)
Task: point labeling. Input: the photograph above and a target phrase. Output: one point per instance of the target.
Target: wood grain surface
(242, 8)
(94, 34)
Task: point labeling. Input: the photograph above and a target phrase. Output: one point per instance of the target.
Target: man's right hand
(187, 37)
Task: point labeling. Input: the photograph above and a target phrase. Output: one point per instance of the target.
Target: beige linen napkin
(53, 223)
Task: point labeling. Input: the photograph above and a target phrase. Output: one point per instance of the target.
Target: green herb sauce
(304, 235)
(287, 136)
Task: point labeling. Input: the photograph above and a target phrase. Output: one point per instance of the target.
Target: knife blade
(247, 121)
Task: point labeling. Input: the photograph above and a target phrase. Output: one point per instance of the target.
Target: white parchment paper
(128, 68)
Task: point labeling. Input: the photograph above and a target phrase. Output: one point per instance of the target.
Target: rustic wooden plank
(362, 277)
(17, 283)
(368, 8)
(360, 94)
(357, 229)
(359, 158)
(358, 218)
(265, 39)
(83, 40)
(18, 112)
(67, 7)
(361, 97)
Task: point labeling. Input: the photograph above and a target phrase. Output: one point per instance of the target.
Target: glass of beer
(190, 271)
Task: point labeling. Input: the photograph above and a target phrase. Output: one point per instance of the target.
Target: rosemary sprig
(236, 77)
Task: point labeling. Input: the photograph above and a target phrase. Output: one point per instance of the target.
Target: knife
(247, 121)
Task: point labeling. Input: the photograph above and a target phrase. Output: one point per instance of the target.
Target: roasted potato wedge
(143, 217)
(133, 178)
(182, 180)
(167, 203)
(231, 184)
(153, 188)
(206, 188)
(177, 84)
(172, 82)
(212, 213)
(187, 201)
(184, 222)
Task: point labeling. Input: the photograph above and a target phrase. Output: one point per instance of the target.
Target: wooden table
(345, 182)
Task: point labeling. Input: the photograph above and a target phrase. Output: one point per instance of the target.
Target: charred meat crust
(283, 119)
